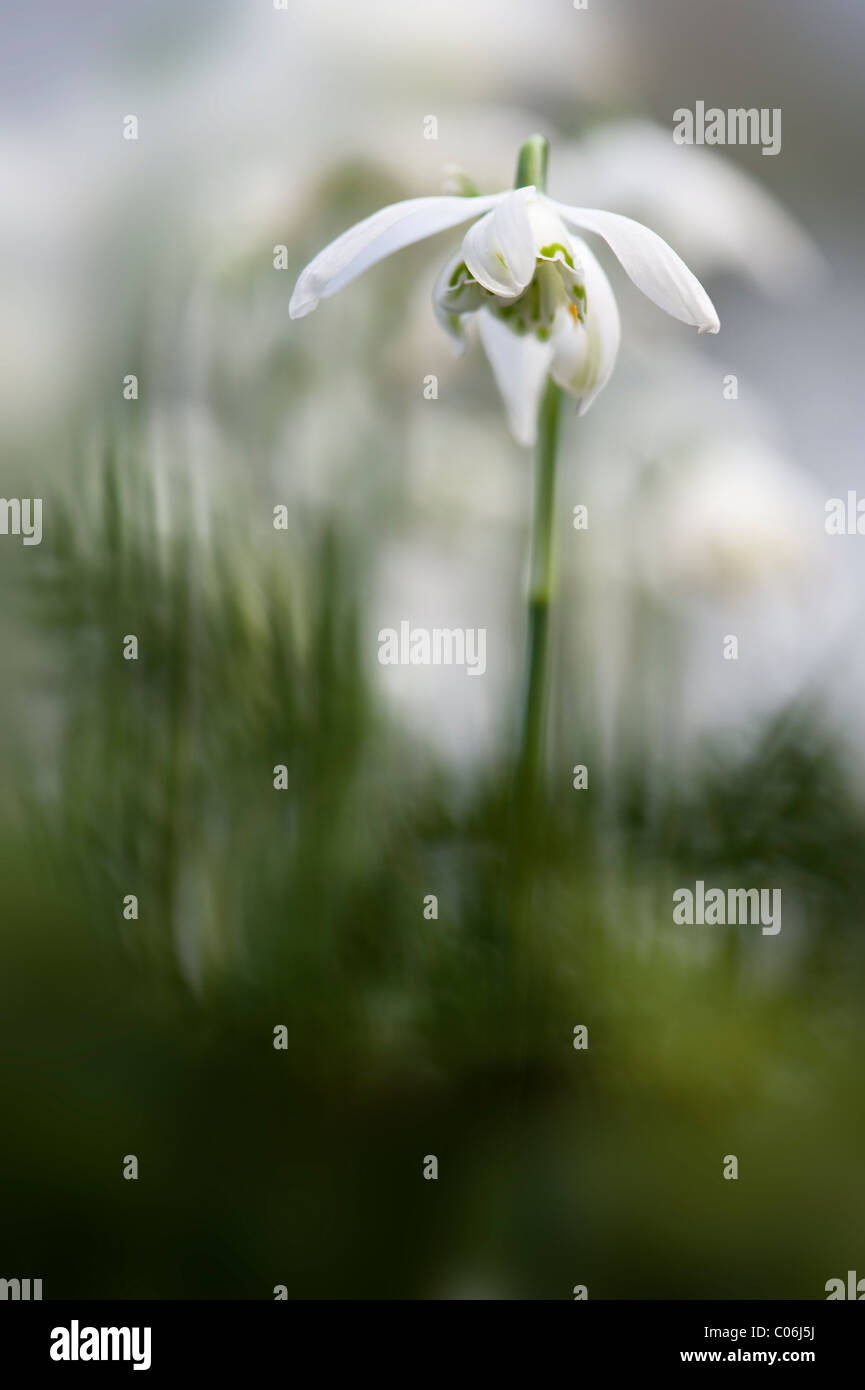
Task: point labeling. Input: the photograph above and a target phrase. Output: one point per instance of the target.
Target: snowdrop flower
(735, 518)
(545, 307)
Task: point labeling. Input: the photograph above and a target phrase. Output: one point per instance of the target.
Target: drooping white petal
(499, 249)
(520, 365)
(388, 230)
(653, 266)
(584, 353)
(721, 217)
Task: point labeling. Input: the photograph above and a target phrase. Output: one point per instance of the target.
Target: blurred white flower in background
(488, 46)
(707, 525)
(729, 541)
(730, 517)
(722, 219)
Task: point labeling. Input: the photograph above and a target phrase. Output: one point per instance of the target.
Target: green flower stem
(532, 169)
(532, 163)
(540, 595)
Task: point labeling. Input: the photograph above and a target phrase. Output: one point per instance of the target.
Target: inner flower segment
(556, 284)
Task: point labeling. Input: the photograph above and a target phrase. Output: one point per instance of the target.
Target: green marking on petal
(551, 250)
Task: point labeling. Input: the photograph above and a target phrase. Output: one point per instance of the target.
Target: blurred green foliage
(406, 1036)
